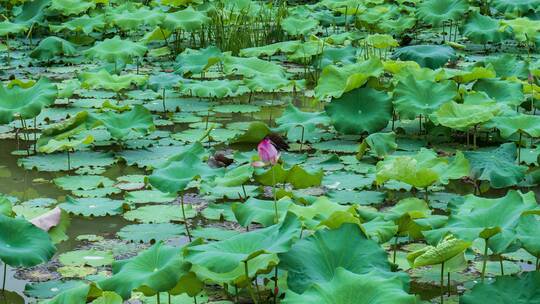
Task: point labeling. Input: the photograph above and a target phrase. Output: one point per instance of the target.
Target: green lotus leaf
(154, 270)
(335, 55)
(180, 3)
(483, 29)
(23, 244)
(343, 287)
(66, 135)
(25, 103)
(297, 176)
(52, 47)
(285, 47)
(335, 81)
(359, 111)
(260, 211)
(435, 12)
(523, 29)
(520, 123)
(315, 259)
(192, 61)
(71, 7)
(79, 293)
(93, 206)
(298, 26)
(236, 176)
(149, 233)
(467, 75)
(300, 125)
(120, 125)
(5, 206)
(256, 131)
(9, 28)
(444, 251)
(50, 289)
(155, 214)
(116, 50)
(422, 97)
(58, 162)
(406, 210)
(494, 219)
(83, 24)
(381, 144)
(517, 6)
(506, 289)
(272, 83)
(108, 297)
(133, 19)
(510, 93)
(527, 233)
(430, 56)
(321, 209)
(82, 182)
(225, 256)
(188, 19)
(506, 65)
(251, 67)
(459, 116)
(116, 83)
(381, 41)
(213, 88)
(90, 257)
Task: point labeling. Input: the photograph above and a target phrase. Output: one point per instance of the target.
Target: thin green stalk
(485, 260)
(250, 288)
(276, 216)
(68, 160)
(163, 97)
(157, 298)
(395, 249)
(275, 284)
(501, 264)
(302, 137)
(4, 280)
(184, 216)
(519, 148)
(442, 282)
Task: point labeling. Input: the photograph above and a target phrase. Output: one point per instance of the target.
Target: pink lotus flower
(267, 153)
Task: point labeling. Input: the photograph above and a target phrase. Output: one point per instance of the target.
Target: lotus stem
(537, 263)
(68, 160)
(474, 137)
(519, 148)
(26, 139)
(8, 50)
(157, 298)
(169, 298)
(236, 292)
(4, 280)
(275, 284)
(184, 216)
(35, 135)
(250, 289)
(426, 195)
(442, 282)
(448, 284)
(276, 219)
(501, 264)
(163, 100)
(395, 249)
(485, 260)
(195, 299)
(302, 137)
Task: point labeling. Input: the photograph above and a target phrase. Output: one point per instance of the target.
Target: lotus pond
(239, 151)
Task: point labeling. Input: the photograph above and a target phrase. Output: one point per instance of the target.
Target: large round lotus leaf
(523, 29)
(225, 256)
(25, 103)
(457, 115)
(63, 136)
(489, 218)
(90, 257)
(508, 66)
(52, 47)
(212, 88)
(520, 123)
(187, 20)
(58, 162)
(297, 123)
(359, 111)
(435, 12)
(83, 24)
(260, 211)
(156, 269)
(527, 231)
(422, 97)
(197, 61)
(316, 258)
(116, 83)
(524, 289)
(116, 50)
(347, 287)
(120, 125)
(510, 93)
(498, 166)
(71, 7)
(82, 182)
(160, 213)
(516, 6)
(9, 28)
(428, 56)
(147, 233)
(298, 26)
(23, 244)
(483, 29)
(49, 289)
(132, 19)
(93, 206)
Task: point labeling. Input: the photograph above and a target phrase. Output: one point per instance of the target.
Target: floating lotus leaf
(213, 88)
(298, 26)
(335, 55)
(116, 50)
(23, 244)
(52, 47)
(154, 270)
(343, 287)
(298, 124)
(9, 28)
(50, 289)
(120, 125)
(381, 144)
(422, 97)
(149, 233)
(108, 298)
(116, 83)
(188, 20)
(25, 103)
(510, 93)
(429, 56)
(520, 123)
(93, 206)
(483, 29)
(359, 111)
(315, 259)
(156, 214)
(494, 219)
(71, 7)
(335, 81)
(90, 257)
(435, 12)
(523, 289)
(458, 116)
(197, 61)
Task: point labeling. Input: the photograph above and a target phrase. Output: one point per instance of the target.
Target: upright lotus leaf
(80, 293)
(359, 111)
(344, 287)
(251, 67)
(256, 131)
(335, 55)
(52, 47)
(435, 12)
(298, 26)
(422, 97)
(9, 28)
(404, 214)
(523, 289)
(483, 29)
(519, 123)
(506, 92)
(227, 255)
(299, 125)
(498, 166)
(321, 209)
(58, 137)
(381, 41)
(192, 61)
(18, 102)
(85, 24)
(188, 19)
(71, 7)
(523, 29)
(157, 269)
(120, 125)
(116, 50)
(467, 75)
(217, 88)
(129, 20)
(6, 207)
(506, 65)
(23, 244)
(381, 144)
(527, 233)
(116, 83)
(315, 259)
(271, 49)
(260, 211)
(335, 81)
(516, 7)
(492, 219)
(235, 176)
(429, 56)
(448, 248)
(461, 116)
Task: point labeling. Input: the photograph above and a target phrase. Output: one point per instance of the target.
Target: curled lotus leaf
(116, 50)
(51, 47)
(483, 29)
(25, 103)
(435, 12)
(116, 83)
(71, 7)
(429, 56)
(444, 251)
